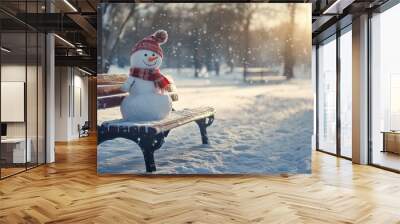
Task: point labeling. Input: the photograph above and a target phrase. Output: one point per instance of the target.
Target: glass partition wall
(334, 93)
(385, 89)
(327, 95)
(345, 61)
(22, 77)
(334, 118)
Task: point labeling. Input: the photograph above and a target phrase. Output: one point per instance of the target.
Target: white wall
(71, 102)
(62, 81)
(80, 108)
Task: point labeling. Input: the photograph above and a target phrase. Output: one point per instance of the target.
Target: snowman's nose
(152, 58)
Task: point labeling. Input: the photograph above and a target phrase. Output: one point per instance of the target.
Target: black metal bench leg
(203, 130)
(148, 155)
(148, 145)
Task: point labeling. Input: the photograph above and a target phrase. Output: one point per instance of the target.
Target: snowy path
(258, 129)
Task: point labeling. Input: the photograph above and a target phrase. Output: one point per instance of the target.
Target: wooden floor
(5, 172)
(70, 191)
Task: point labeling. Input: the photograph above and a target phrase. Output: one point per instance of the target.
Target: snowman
(146, 85)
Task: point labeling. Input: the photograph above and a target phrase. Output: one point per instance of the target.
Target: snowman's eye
(145, 55)
(154, 54)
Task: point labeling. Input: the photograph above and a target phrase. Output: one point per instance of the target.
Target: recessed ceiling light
(65, 41)
(5, 50)
(84, 71)
(337, 7)
(70, 5)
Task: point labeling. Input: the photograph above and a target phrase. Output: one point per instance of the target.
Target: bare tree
(208, 35)
(289, 58)
(112, 41)
(247, 11)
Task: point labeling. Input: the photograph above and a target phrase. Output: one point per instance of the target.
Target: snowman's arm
(127, 85)
(171, 89)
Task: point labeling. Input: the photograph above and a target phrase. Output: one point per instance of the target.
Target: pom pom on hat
(161, 36)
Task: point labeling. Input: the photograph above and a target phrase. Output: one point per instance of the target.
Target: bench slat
(103, 79)
(110, 101)
(107, 90)
(191, 115)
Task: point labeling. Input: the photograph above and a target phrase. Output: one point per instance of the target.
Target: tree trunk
(118, 39)
(247, 43)
(178, 49)
(288, 51)
(196, 59)
(216, 67)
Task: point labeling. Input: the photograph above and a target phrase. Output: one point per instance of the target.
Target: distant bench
(150, 136)
(263, 75)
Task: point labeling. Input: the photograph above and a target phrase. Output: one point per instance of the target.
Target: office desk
(391, 141)
(13, 150)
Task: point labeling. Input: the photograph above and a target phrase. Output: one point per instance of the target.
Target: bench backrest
(109, 93)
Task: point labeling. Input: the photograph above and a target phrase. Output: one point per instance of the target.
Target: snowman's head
(147, 53)
(145, 59)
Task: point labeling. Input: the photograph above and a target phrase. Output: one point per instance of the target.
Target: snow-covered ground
(259, 128)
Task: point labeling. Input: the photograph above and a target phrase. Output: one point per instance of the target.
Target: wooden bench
(150, 136)
(263, 75)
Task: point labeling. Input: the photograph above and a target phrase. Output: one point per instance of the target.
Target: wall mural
(210, 88)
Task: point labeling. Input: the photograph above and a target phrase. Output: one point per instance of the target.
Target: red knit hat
(152, 42)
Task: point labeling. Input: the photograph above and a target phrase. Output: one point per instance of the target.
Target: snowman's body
(145, 101)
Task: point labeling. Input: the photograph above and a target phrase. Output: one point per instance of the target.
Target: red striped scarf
(154, 75)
